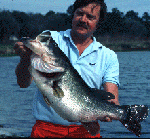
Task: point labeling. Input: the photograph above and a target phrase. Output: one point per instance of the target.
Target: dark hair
(81, 3)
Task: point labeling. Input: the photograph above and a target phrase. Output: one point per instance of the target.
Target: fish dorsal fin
(101, 94)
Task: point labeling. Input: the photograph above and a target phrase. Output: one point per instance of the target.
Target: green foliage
(112, 32)
(132, 15)
(130, 24)
(22, 24)
(70, 10)
(146, 17)
(50, 13)
(8, 25)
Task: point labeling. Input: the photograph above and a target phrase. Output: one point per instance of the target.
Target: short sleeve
(111, 73)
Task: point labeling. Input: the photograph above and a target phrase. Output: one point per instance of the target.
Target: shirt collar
(95, 43)
(67, 33)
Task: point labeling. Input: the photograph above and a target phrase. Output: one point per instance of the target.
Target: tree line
(117, 23)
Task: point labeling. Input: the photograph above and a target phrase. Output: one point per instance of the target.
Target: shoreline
(127, 50)
(117, 43)
(8, 55)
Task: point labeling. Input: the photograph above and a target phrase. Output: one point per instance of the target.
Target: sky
(44, 6)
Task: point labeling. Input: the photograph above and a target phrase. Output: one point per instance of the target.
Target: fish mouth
(50, 75)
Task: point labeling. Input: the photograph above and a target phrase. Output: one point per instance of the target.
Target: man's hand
(22, 50)
(106, 119)
(24, 77)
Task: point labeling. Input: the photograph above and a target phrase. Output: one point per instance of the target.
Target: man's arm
(24, 77)
(112, 88)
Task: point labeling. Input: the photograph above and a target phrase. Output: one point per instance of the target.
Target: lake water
(16, 103)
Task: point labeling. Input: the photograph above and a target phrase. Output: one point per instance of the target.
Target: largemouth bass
(68, 94)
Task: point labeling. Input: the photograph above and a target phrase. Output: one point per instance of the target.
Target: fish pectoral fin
(57, 91)
(101, 94)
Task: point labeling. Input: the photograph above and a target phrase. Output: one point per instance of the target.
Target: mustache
(82, 24)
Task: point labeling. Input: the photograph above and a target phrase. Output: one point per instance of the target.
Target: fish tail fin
(134, 114)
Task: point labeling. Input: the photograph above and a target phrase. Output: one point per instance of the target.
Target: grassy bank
(7, 50)
(125, 44)
(114, 43)
(7, 55)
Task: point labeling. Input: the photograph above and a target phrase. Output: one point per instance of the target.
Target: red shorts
(46, 129)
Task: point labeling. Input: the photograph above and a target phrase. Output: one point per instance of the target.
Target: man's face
(85, 20)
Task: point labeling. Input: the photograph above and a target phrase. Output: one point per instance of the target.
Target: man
(96, 64)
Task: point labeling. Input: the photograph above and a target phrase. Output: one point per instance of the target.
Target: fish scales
(87, 108)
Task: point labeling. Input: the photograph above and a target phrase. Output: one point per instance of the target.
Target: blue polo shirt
(96, 65)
